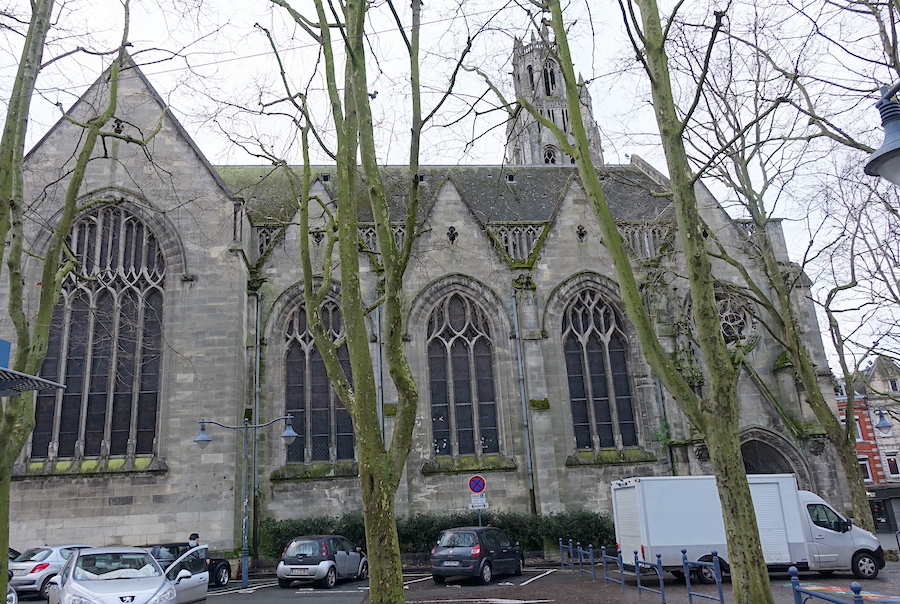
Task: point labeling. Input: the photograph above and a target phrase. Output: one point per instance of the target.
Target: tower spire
(536, 77)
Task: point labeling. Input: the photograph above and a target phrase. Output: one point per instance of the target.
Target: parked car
(33, 568)
(321, 558)
(129, 574)
(475, 551)
(219, 568)
(11, 596)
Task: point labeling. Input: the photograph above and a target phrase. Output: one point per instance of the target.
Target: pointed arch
(596, 357)
(323, 424)
(105, 343)
(459, 318)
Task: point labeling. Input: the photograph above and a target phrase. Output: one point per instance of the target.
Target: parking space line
(544, 574)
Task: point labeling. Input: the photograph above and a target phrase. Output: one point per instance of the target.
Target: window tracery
(597, 371)
(105, 343)
(323, 424)
(461, 379)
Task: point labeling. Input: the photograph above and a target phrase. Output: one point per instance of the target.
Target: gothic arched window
(320, 418)
(549, 78)
(461, 379)
(551, 155)
(105, 343)
(530, 70)
(597, 371)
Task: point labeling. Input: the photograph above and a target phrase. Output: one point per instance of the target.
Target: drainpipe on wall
(379, 385)
(665, 421)
(526, 429)
(255, 420)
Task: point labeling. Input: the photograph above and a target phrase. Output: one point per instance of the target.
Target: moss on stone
(540, 404)
(467, 463)
(115, 464)
(607, 457)
(89, 465)
(783, 362)
(142, 463)
(319, 470)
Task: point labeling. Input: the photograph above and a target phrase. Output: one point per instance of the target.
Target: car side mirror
(182, 574)
(54, 580)
(358, 549)
(847, 525)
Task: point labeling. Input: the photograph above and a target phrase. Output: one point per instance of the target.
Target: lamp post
(885, 162)
(204, 439)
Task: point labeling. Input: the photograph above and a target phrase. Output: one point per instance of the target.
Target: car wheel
(223, 575)
(284, 583)
(487, 573)
(11, 596)
(45, 587)
(706, 575)
(363, 572)
(864, 566)
(438, 579)
(330, 578)
(519, 564)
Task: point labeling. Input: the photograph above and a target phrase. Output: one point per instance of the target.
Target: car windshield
(35, 554)
(457, 539)
(299, 549)
(162, 552)
(102, 567)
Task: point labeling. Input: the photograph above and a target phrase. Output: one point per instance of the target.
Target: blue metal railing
(566, 555)
(716, 568)
(639, 565)
(617, 559)
(570, 555)
(799, 592)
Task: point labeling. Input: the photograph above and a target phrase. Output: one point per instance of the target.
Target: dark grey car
(475, 551)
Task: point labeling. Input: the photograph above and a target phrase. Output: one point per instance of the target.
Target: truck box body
(665, 514)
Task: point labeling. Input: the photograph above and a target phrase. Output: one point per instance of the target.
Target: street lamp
(204, 439)
(885, 162)
(883, 425)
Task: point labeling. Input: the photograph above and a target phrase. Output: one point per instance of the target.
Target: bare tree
(359, 182)
(32, 326)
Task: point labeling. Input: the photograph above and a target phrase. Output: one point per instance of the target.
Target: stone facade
(516, 246)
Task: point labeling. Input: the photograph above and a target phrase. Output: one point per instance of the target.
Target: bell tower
(536, 77)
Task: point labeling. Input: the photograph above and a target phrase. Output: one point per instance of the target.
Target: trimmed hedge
(418, 533)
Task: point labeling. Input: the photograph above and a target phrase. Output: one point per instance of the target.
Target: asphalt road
(551, 585)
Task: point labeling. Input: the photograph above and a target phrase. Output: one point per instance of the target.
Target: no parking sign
(476, 484)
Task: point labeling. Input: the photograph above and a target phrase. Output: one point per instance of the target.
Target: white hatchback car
(33, 568)
(113, 575)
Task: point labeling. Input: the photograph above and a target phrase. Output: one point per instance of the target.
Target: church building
(186, 305)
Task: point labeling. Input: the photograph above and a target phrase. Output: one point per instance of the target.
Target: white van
(665, 514)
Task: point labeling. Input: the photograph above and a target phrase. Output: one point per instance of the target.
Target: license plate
(19, 571)
(451, 562)
(298, 571)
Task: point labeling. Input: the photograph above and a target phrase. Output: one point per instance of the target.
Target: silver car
(33, 568)
(323, 559)
(113, 575)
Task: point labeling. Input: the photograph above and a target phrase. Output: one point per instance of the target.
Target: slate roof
(492, 193)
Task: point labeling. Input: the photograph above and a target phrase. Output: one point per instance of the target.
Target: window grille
(105, 343)
(461, 379)
(597, 370)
